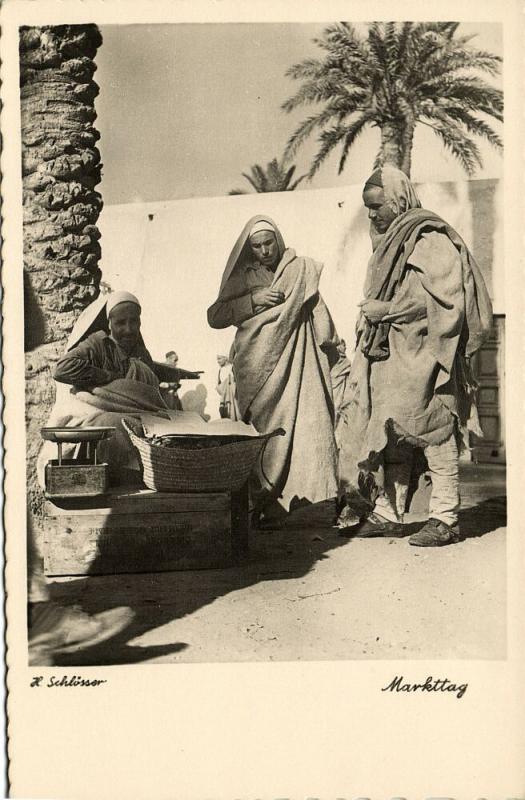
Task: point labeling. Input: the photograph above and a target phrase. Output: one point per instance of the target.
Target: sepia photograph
(261, 436)
(264, 335)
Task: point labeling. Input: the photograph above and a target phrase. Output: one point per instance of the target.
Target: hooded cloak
(242, 254)
(282, 369)
(410, 371)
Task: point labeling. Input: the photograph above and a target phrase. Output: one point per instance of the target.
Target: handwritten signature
(64, 681)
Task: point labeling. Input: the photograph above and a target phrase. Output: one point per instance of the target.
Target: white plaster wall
(172, 255)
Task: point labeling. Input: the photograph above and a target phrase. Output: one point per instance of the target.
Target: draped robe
(410, 372)
(282, 372)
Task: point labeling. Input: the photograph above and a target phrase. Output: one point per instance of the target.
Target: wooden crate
(144, 531)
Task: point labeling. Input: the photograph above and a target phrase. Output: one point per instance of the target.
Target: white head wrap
(237, 257)
(116, 298)
(261, 225)
(399, 190)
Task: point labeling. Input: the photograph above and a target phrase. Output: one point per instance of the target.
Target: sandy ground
(308, 594)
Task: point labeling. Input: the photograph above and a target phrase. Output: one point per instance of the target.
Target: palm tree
(398, 76)
(60, 169)
(277, 177)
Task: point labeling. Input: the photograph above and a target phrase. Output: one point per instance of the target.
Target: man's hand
(374, 310)
(267, 298)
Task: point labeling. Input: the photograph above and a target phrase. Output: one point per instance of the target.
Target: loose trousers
(443, 466)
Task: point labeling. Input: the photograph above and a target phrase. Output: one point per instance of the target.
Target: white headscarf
(116, 298)
(399, 190)
(236, 258)
(95, 316)
(262, 225)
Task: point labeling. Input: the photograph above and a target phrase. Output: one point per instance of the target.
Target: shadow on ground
(483, 518)
(158, 599)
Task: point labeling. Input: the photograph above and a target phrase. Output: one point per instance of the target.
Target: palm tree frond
(472, 92)
(403, 37)
(446, 29)
(277, 177)
(323, 91)
(378, 52)
(340, 36)
(352, 132)
(474, 125)
(328, 140)
(296, 183)
(288, 175)
(460, 146)
(257, 179)
(390, 39)
(455, 62)
(331, 113)
(309, 68)
(378, 160)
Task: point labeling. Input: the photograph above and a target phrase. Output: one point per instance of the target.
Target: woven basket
(225, 467)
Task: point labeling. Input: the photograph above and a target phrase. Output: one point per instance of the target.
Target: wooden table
(131, 530)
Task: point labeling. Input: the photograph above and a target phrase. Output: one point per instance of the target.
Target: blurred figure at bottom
(56, 630)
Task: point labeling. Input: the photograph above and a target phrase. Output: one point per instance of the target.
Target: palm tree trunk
(406, 162)
(407, 138)
(390, 145)
(60, 168)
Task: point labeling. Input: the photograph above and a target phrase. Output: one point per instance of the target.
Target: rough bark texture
(407, 125)
(390, 145)
(60, 168)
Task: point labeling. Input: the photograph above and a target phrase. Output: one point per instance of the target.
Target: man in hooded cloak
(426, 311)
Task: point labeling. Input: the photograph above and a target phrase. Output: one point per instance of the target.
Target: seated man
(106, 374)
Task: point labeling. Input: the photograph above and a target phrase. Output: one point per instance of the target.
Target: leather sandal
(374, 525)
(435, 534)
